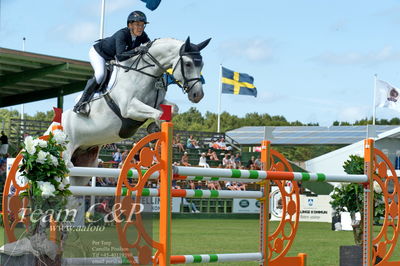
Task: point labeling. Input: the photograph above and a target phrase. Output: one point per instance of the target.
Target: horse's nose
(197, 96)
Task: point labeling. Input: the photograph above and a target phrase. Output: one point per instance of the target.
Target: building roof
(27, 77)
(303, 135)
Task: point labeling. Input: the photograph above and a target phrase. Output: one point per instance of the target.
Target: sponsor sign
(312, 209)
(246, 206)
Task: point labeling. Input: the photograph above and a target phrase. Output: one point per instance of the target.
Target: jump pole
(216, 174)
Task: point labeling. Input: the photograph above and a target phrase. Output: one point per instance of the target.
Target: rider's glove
(142, 49)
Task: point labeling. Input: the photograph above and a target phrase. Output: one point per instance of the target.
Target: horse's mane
(166, 39)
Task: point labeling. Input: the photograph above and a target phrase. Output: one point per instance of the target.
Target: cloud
(351, 114)
(386, 54)
(80, 32)
(115, 5)
(254, 50)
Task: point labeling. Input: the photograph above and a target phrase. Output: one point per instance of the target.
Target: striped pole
(177, 259)
(218, 174)
(154, 192)
(185, 259)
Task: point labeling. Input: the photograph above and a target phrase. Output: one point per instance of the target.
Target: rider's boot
(91, 87)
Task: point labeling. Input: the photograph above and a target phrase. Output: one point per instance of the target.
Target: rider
(123, 44)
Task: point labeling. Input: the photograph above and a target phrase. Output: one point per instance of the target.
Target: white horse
(136, 96)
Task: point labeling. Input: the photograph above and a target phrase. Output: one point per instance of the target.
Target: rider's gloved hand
(142, 49)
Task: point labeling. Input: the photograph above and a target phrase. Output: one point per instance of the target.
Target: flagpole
(103, 11)
(374, 107)
(219, 98)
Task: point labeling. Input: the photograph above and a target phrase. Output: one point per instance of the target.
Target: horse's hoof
(152, 128)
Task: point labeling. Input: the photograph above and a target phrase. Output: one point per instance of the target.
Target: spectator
(250, 163)
(225, 161)
(212, 155)
(203, 161)
(213, 185)
(230, 185)
(192, 143)
(185, 159)
(258, 164)
(117, 156)
(232, 162)
(214, 145)
(4, 144)
(100, 182)
(176, 142)
(241, 186)
(190, 205)
(124, 155)
(238, 161)
(221, 143)
(175, 185)
(199, 185)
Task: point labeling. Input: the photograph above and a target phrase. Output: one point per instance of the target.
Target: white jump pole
(153, 192)
(193, 173)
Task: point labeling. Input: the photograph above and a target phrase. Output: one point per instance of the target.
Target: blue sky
(312, 60)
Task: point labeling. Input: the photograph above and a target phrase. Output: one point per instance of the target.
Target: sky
(312, 60)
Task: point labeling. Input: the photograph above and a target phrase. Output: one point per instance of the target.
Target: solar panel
(287, 135)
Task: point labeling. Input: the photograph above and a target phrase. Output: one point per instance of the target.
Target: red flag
(57, 115)
(167, 112)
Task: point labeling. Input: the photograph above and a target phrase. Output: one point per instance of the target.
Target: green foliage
(349, 197)
(355, 165)
(193, 120)
(368, 121)
(46, 173)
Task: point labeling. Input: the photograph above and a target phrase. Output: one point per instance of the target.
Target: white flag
(387, 96)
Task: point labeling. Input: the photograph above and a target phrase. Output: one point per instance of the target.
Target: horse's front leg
(140, 111)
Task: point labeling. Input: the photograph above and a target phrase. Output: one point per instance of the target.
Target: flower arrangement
(349, 197)
(44, 169)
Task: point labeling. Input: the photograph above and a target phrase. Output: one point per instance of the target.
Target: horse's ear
(187, 44)
(203, 44)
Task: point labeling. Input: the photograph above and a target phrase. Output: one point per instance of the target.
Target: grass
(210, 236)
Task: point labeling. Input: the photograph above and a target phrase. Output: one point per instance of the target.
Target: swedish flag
(237, 83)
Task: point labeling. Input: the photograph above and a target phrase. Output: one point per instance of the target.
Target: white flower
(42, 157)
(66, 180)
(61, 183)
(40, 142)
(377, 187)
(47, 189)
(30, 145)
(60, 137)
(54, 160)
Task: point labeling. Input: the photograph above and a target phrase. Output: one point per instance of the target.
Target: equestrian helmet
(137, 16)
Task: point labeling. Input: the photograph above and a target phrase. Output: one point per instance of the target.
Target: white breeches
(98, 63)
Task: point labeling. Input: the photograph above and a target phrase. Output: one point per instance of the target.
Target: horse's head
(187, 70)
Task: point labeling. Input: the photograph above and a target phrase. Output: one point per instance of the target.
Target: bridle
(195, 55)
